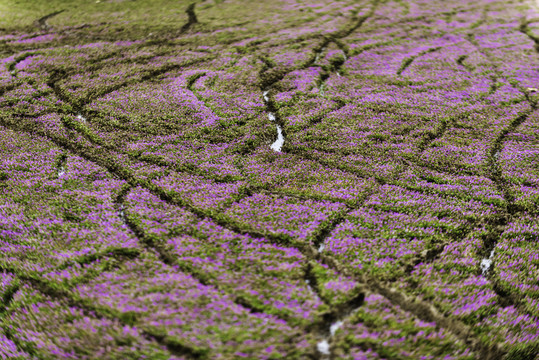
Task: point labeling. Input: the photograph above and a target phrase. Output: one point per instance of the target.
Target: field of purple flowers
(291, 179)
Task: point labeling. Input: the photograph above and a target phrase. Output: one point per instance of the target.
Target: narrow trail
(431, 136)
(310, 252)
(120, 208)
(42, 24)
(12, 67)
(496, 225)
(322, 346)
(57, 75)
(61, 165)
(271, 75)
(90, 308)
(157, 245)
(192, 18)
(420, 309)
(408, 61)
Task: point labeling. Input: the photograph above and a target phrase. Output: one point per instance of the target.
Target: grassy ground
(144, 213)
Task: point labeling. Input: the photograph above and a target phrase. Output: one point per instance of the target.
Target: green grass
(23, 13)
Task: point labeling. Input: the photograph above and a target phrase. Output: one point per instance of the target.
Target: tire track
(11, 67)
(89, 308)
(153, 243)
(496, 225)
(108, 160)
(408, 61)
(192, 18)
(56, 75)
(42, 21)
(417, 307)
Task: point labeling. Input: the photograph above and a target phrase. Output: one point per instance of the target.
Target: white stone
(486, 263)
(335, 326)
(278, 144)
(323, 347)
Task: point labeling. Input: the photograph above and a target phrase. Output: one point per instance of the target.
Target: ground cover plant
(234, 179)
